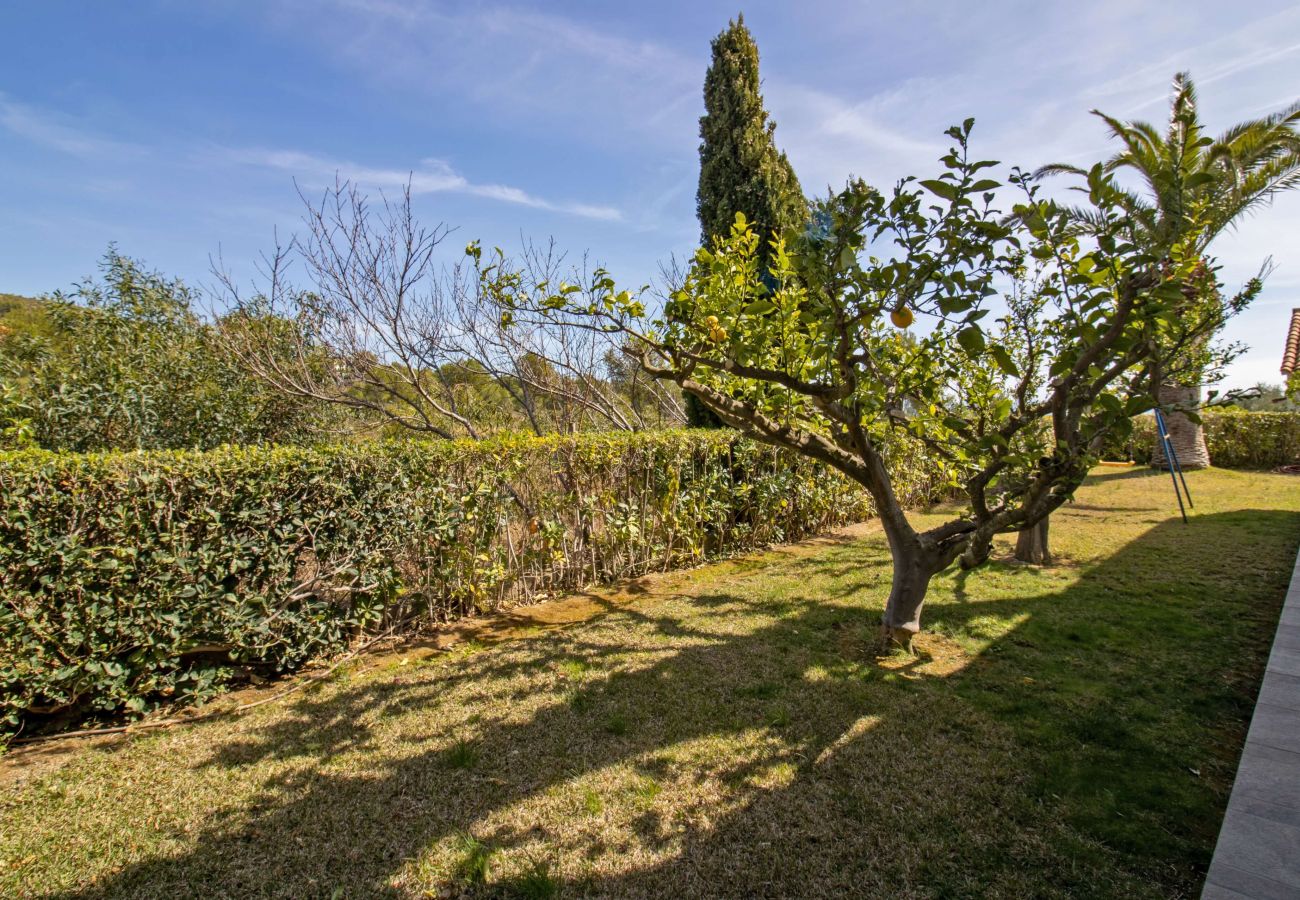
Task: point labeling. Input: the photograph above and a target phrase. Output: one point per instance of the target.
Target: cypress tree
(741, 169)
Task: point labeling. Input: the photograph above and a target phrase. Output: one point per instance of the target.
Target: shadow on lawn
(875, 782)
(1119, 473)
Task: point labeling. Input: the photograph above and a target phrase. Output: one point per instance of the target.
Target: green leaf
(1110, 403)
(971, 340)
(1004, 361)
(1138, 405)
(945, 189)
(951, 305)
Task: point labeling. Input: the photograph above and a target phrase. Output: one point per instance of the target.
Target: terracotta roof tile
(1291, 358)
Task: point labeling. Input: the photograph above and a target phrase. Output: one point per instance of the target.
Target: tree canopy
(126, 362)
(1013, 409)
(1192, 182)
(741, 169)
(1192, 185)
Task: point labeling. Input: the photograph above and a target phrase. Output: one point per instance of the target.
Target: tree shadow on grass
(777, 761)
(1119, 474)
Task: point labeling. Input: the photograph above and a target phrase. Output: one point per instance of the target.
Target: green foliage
(23, 315)
(537, 883)
(128, 579)
(16, 429)
(126, 363)
(809, 340)
(697, 414)
(23, 320)
(807, 350)
(1195, 184)
(463, 754)
(1265, 397)
(475, 864)
(1236, 439)
(1193, 187)
(741, 170)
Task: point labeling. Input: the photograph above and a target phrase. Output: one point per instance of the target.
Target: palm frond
(1183, 124)
(1189, 178)
(1142, 149)
(1262, 185)
(1285, 119)
(1253, 143)
(1183, 95)
(1052, 169)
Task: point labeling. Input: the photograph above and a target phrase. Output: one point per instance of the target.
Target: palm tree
(1198, 186)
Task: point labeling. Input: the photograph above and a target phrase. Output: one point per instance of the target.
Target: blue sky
(176, 129)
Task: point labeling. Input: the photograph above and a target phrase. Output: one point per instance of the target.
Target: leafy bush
(126, 363)
(1236, 439)
(130, 578)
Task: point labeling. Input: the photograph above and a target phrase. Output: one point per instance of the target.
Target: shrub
(127, 363)
(131, 578)
(1236, 439)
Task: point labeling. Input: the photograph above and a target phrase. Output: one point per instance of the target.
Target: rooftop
(1289, 356)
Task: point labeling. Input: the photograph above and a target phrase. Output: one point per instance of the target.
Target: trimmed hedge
(132, 578)
(1236, 439)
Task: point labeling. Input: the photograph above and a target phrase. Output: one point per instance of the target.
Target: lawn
(1068, 731)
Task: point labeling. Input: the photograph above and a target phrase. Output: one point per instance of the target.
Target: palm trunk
(1032, 546)
(1187, 437)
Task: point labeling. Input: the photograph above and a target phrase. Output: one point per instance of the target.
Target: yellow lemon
(711, 321)
(901, 317)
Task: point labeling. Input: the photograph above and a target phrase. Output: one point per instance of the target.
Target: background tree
(383, 330)
(125, 362)
(1195, 184)
(741, 170)
(1013, 413)
(1265, 397)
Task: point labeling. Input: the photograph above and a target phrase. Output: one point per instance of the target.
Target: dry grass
(1069, 731)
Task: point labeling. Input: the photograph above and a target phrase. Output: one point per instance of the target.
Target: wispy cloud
(830, 137)
(431, 176)
(528, 105)
(528, 66)
(58, 132)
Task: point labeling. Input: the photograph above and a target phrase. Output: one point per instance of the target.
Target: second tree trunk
(1032, 546)
(1187, 437)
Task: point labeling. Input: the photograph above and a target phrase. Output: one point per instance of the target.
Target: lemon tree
(1007, 344)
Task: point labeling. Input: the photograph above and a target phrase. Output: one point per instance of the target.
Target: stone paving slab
(1258, 854)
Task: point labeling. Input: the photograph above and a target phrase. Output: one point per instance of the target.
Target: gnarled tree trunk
(1187, 437)
(1032, 546)
(914, 566)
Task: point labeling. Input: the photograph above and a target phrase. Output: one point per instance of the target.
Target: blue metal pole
(1178, 466)
(1172, 459)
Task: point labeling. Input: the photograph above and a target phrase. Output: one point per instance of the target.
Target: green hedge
(1236, 439)
(129, 579)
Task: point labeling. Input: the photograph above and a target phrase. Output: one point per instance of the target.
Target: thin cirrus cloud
(62, 134)
(56, 132)
(536, 66)
(432, 176)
